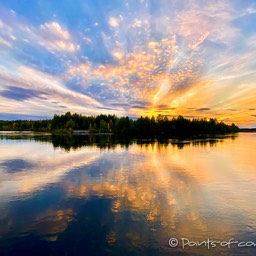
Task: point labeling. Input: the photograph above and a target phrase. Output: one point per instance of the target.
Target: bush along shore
(142, 126)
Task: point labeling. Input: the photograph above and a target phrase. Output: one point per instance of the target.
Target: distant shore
(159, 126)
(247, 130)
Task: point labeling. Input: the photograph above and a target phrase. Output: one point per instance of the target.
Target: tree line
(160, 125)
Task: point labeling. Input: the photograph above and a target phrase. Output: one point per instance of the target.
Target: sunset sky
(195, 58)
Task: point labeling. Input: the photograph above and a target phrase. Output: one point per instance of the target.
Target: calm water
(103, 196)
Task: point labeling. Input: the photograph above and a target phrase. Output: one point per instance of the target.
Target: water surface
(105, 196)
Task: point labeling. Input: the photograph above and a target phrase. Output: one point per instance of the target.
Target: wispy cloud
(21, 94)
(203, 109)
(54, 37)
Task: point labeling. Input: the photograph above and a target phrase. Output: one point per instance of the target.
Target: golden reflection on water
(197, 191)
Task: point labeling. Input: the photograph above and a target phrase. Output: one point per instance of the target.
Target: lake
(101, 195)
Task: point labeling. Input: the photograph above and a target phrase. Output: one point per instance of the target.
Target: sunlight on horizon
(173, 58)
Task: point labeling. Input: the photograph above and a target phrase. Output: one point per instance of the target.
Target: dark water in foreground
(103, 196)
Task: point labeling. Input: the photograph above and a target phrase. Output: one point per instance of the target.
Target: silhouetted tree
(161, 125)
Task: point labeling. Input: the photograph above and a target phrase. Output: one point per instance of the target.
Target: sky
(195, 58)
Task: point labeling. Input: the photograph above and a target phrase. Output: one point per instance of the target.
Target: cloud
(56, 38)
(199, 41)
(56, 30)
(119, 104)
(36, 91)
(248, 11)
(164, 107)
(211, 19)
(3, 42)
(107, 108)
(50, 35)
(134, 59)
(143, 76)
(138, 106)
(113, 22)
(203, 109)
(21, 94)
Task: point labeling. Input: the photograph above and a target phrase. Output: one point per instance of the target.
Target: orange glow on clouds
(174, 59)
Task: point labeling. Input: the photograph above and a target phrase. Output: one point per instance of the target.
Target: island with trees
(142, 126)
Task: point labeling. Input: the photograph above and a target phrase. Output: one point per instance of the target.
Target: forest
(153, 126)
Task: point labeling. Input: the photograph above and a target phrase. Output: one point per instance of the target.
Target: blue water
(103, 195)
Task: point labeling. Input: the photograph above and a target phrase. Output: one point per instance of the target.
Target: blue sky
(195, 58)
